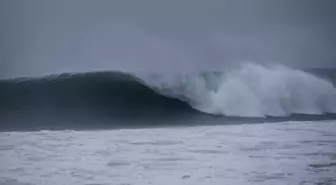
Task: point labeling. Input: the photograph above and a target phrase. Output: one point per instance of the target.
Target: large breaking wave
(249, 91)
(252, 91)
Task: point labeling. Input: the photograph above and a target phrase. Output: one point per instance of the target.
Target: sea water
(270, 153)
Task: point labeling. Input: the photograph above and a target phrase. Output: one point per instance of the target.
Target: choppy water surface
(277, 153)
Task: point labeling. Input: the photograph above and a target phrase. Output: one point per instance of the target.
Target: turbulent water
(289, 153)
(251, 92)
(292, 140)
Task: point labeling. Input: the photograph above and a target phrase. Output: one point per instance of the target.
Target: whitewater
(251, 91)
(284, 153)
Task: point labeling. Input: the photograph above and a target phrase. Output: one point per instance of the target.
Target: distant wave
(250, 91)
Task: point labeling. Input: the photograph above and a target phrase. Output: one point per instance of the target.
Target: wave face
(250, 91)
(113, 93)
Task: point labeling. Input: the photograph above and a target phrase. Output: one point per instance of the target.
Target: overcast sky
(53, 36)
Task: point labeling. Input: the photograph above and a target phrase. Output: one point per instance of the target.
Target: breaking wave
(249, 91)
(252, 91)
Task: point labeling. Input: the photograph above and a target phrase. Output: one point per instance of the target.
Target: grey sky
(52, 36)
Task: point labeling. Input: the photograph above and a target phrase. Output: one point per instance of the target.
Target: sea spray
(251, 91)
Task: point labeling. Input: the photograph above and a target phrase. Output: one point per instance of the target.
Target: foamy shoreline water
(277, 153)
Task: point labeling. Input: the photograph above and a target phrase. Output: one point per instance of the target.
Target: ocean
(252, 125)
